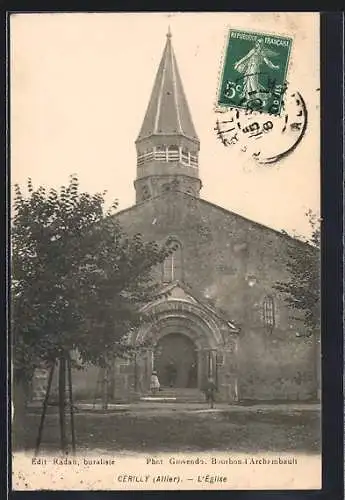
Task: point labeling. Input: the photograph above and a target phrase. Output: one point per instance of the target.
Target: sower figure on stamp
(249, 66)
(210, 391)
(154, 384)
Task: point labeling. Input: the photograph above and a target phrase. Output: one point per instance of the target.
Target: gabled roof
(172, 291)
(168, 112)
(225, 211)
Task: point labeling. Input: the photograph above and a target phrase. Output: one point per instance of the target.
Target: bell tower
(167, 145)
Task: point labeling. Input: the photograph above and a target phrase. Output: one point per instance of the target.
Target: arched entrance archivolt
(199, 324)
(183, 339)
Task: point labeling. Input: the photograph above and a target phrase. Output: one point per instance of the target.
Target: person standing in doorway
(210, 391)
(171, 373)
(230, 395)
(154, 384)
(192, 375)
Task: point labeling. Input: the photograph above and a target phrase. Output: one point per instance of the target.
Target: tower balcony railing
(169, 154)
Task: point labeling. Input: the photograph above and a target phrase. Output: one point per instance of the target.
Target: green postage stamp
(254, 71)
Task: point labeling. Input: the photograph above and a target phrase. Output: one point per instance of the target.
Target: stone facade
(229, 266)
(221, 278)
(232, 265)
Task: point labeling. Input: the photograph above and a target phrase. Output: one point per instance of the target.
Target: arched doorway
(175, 360)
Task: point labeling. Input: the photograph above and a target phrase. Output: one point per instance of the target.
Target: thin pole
(98, 383)
(62, 402)
(135, 372)
(111, 382)
(69, 367)
(44, 409)
(216, 373)
(104, 388)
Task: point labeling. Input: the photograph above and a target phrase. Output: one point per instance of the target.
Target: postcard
(165, 173)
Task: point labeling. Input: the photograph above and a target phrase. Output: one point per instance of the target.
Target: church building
(222, 316)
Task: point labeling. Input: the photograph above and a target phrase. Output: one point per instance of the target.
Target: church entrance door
(176, 361)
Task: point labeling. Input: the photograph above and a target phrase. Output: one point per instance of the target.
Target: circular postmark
(266, 137)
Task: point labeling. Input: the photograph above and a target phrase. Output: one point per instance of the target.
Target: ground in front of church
(146, 427)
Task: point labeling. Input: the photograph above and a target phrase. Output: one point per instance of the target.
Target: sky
(80, 85)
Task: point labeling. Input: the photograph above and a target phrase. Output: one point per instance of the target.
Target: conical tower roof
(168, 112)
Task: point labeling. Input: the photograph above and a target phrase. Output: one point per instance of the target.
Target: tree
(302, 290)
(77, 281)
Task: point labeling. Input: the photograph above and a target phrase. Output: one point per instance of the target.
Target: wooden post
(216, 374)
(105, 371)
(44, 409)
(71, 401)
(62, 401)
(98, 385)
(135, 372)
(107, 384)
(209, 364)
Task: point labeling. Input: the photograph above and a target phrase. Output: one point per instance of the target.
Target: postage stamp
(254, 71)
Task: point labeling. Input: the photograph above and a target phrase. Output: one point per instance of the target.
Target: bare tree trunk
(99, 383)
(71, 402)
(317, 361)
(44, 410)
(62, 402)
(105, 388)
(19, 397)
(135, 372)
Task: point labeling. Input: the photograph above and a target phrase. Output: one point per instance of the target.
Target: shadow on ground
(259, 431)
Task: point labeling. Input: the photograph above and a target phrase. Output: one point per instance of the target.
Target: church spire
(168, 110)
(167, 144)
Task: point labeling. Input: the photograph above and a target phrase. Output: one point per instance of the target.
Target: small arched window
(173, 153)
(269, 313)
(172, 266)
(145, 156)
(149, 155)
(194, 159)
(160, 153)
(185, 156)
(145, 193)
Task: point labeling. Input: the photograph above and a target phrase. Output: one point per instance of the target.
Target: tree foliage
(78, 280)
(302, 290)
